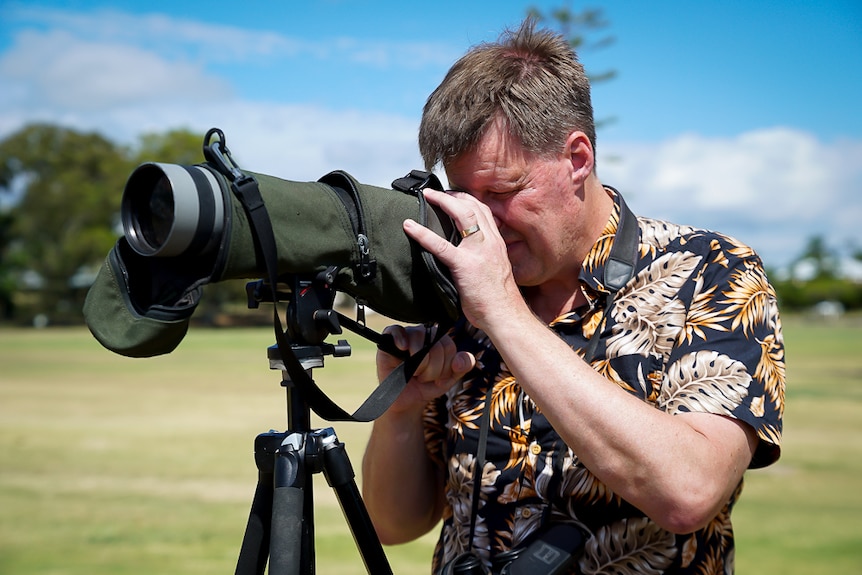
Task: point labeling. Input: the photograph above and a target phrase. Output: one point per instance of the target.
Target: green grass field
(110, 465)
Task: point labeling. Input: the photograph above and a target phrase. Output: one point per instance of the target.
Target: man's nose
(496, 204)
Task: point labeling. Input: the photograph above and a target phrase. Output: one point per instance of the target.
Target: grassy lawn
(110, 465)
(802, 515)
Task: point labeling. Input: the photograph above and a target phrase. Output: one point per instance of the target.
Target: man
(643, 444)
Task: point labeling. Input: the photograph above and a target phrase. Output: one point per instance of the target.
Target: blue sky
(737, 116)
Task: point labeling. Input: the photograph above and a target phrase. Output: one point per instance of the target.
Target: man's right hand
(439, 370)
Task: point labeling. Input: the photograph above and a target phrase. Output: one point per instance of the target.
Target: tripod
(280, 526)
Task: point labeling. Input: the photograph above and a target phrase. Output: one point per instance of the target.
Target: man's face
(535, 204)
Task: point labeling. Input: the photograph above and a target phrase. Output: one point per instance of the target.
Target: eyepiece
(172, 210)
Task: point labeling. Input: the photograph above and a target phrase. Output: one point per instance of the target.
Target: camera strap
(619, 269)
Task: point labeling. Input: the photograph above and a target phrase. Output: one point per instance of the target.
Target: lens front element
(172, 210)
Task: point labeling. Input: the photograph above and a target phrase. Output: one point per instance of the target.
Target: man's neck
(549, 301)
(563, 294)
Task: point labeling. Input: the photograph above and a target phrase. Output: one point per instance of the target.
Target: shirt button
(535, 449)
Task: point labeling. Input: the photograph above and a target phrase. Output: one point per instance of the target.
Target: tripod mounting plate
(309, 356)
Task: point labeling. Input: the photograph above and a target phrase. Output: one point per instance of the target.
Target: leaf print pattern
(528, 518)
(465, 415)
(648, 315)
(703, 316)
(751, 298)
(705, 382)
(689, 551)
(629, 547)
(580, 487)
(656, 235)
(770, 368)
(602, 248)
(518, 453)
(461, 488)
(697, 329)
(504, 397)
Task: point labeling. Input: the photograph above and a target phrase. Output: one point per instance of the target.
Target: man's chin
(525, 277)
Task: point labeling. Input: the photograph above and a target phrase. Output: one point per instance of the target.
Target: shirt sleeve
(434, 427)
(729, 356)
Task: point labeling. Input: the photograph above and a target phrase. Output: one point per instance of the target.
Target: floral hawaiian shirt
(695, 330)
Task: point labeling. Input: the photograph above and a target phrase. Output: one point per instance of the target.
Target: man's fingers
(463, 362)
(442, 365)
(435, 245)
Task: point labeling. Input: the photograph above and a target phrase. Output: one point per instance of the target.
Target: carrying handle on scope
(246, 189)
(216, 152)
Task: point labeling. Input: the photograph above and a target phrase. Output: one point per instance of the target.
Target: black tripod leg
(340, 476)
(255, 543)
(292, 538)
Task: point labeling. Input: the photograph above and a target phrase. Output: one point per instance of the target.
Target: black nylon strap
(619, 269)
(416, 181)
(248, 192)
(479, 462)
(620, 266)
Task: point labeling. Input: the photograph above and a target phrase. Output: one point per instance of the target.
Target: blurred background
(740, 116)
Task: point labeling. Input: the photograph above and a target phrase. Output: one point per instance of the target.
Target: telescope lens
(157, 217)
(171, 210)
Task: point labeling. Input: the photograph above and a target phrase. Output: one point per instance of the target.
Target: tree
(576, 26)
(63, 221)
(818, 254)
(176, 147)
(816, 277)
(64, 214)
(7, 267)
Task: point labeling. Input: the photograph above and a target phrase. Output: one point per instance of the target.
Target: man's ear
(579, 151)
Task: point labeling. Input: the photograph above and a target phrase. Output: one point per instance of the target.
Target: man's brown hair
(529, 79)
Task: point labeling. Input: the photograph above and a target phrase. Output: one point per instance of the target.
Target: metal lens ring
(172, 210)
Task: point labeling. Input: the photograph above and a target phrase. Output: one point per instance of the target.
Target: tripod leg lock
(336, 464)
(290, 462)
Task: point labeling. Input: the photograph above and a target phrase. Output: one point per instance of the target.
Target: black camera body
(553, 552)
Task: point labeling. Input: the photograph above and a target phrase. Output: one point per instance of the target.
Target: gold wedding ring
(470, 231)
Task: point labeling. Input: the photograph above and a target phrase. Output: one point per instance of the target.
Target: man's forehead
(497, 152)
(479, 175)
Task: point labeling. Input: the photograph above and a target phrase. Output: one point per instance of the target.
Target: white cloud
(168, 35)
(772, 188)
(123, 74)
(304, 143)
(57, 71)
(218, 43)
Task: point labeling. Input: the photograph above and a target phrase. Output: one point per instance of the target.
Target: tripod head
(310, 299)
(310, 320)
(310, 316)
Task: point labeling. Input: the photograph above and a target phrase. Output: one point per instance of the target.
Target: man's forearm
(677, 469)
(402, 488)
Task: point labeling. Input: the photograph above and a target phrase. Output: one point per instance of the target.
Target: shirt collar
(593, 267)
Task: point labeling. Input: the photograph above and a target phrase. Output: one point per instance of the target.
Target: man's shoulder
(661, 236)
